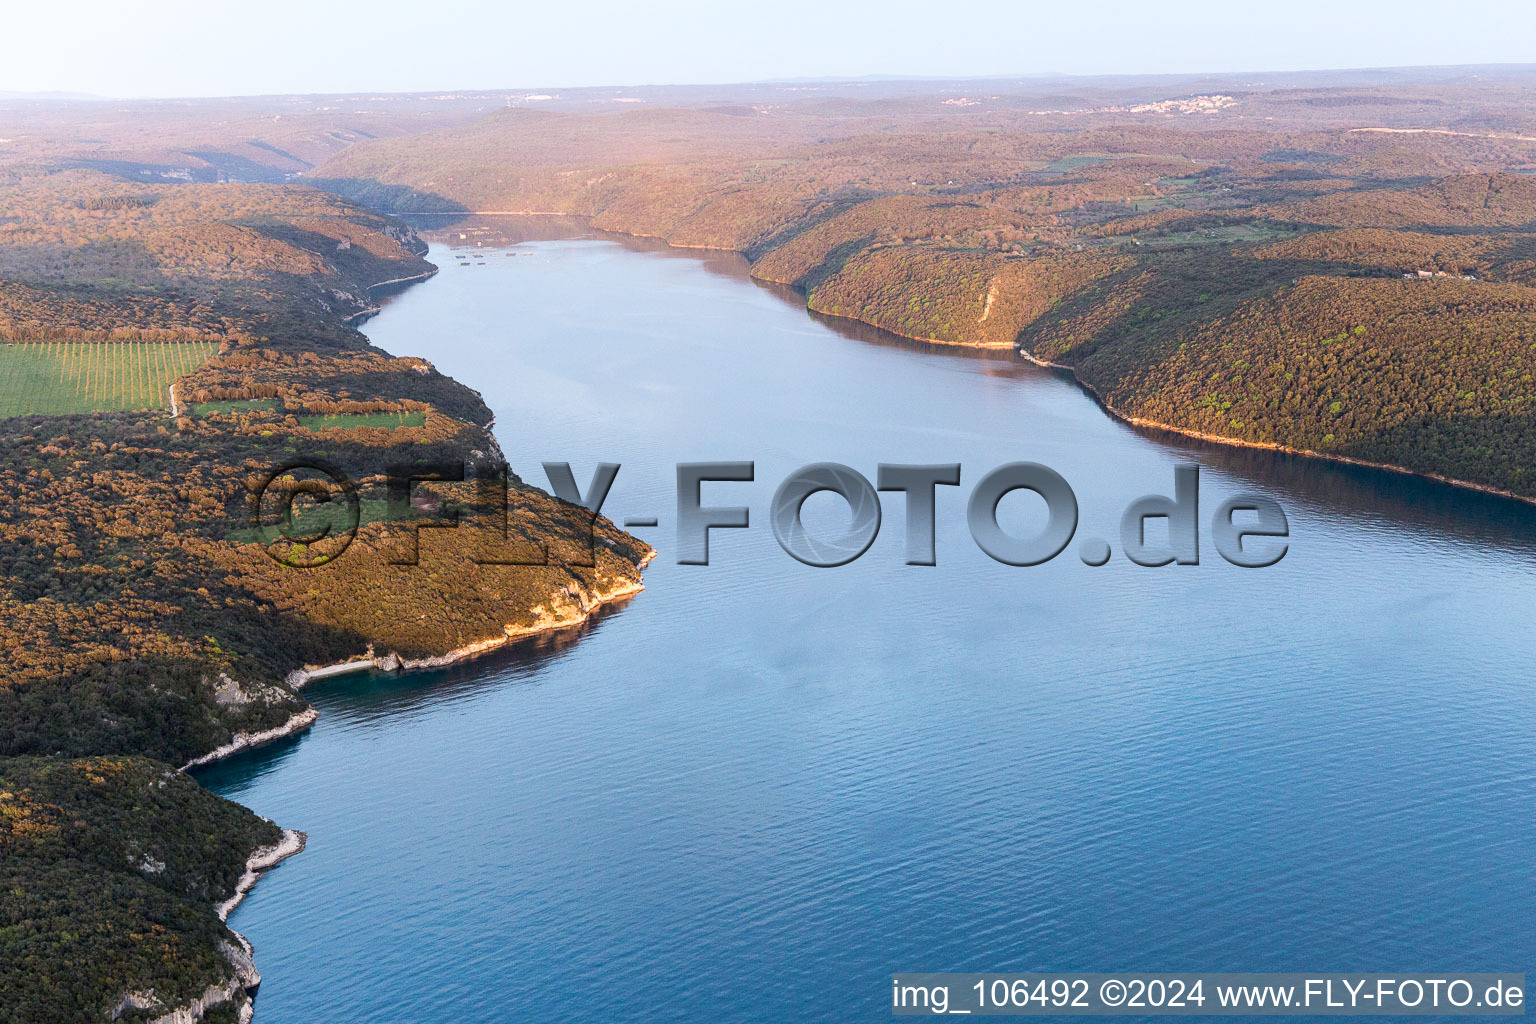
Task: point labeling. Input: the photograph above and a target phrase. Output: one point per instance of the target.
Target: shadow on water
(378, 697)
(1464, 515)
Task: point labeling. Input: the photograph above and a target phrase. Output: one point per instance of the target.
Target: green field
(1072, 163)
(316, 421)
(387, 420)
(57, 378)
(1081, 160)
(237, 405)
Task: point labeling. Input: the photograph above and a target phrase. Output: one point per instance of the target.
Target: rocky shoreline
(240, 987)
(571, 605)
(575, 614)
(246, 978)
(261, 861)
(1148, 424)
(1135, 421)
(369, 311)
(250, 740)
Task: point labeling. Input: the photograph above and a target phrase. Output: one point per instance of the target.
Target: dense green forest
(109, 868)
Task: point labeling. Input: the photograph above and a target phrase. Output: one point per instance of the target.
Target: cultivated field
(351, 421)
(56, 378)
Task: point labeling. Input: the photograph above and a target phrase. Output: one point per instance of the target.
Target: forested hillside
(150, 609)
(109, 868)
(1345, 266)
(1346, 272)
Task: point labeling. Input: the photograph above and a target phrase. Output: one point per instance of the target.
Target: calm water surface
(759, 788)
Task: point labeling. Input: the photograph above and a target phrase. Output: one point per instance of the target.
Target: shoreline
(240, 955)
(371, 310)
(240, 741)
(1143, 423)
(246, 977)
(393, 662)
(1134, 421)
(262, 860)
(299, 678)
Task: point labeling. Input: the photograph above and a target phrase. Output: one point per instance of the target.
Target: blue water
(759, 789)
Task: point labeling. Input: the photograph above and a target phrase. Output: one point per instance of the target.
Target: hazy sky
(216, 48)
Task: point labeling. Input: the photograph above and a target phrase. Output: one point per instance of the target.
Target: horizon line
(69, 97)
